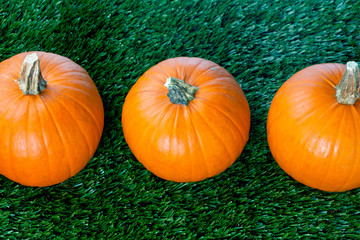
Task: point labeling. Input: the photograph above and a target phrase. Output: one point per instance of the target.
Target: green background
(261, 43)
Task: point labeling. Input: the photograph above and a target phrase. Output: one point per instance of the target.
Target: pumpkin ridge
(69, 77)
(320, 74)
(149, 127)
(200, 143)
(43, 139)
(135, 91)
(15, 62)
(183, 68)
(225, 82)
(214, 106)
(326, 70)
(14, 105)
(185, 65)
(357, 128)
(60, 136)
(220, 93)
(328, 168)
(89, 112)
(10, 107)
(9, 79)
(56, 66)
(160, 114)
(313, 111)
(303, 85)
(171, 136)
(150, 92)
(27, 117)
(154, 76)
(209, 68)
(328, 81)
(195, 66)
(216, 134)
(305, 138)
(58, 88)
(159, 79)
(77, 124)
(181, 64)
(130, 106)
(318, 119)
(49, 59)
(11, 163)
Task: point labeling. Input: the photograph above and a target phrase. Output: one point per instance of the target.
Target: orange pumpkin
(51, 120)
(313, 127)
(186, 119)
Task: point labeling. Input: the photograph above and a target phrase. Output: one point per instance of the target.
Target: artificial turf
(261, 43)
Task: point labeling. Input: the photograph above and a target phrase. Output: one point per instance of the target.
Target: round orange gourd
(186, 119)
(51, 118)
(313, 127)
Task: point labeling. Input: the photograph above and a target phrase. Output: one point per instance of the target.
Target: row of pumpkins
(185, 119)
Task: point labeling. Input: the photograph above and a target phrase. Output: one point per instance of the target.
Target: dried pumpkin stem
(31, 81)
(347, 91)
(179, 91)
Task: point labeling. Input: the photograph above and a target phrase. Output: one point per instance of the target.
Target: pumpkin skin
(311, 135)
(186, 143)
(49, 137)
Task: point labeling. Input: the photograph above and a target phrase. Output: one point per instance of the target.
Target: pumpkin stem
(31, 81)
(347, 91)
(179, 91)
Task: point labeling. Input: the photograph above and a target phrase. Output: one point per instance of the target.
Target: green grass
(262, 43)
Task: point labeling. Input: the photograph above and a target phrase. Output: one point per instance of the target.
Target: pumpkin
(313, 127)
(51, 118)
(186, 119)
